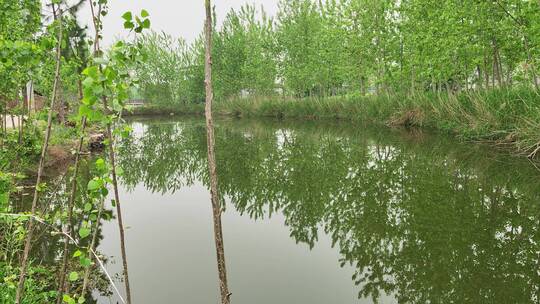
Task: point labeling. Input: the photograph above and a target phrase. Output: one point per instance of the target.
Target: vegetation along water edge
(466, 68)
(504, 117)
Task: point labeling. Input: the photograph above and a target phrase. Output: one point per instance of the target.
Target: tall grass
(503, 116)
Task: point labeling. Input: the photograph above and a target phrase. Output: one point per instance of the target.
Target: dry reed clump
(529, 139)
(408, 118)
(483, 115)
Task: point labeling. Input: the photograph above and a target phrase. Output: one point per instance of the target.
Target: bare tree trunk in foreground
(216, 202)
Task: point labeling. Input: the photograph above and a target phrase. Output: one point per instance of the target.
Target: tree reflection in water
(419, 217)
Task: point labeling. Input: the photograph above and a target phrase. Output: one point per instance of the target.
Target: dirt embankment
(61, 156)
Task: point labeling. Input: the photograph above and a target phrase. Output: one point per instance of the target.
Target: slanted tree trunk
(30, 228)
(216, 201)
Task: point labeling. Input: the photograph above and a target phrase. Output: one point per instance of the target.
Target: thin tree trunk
(216, 202)
(110, 138)
(21, 126)
(21, 115)
(493, 75)
(4, 122)
(79, 85)
(486, 72)
(531, 65)
(479, 81)
(61, 105)
(117, 202)
(71, 204)
(508, 80)
(500, 69)
(30, 229)
(90, 248)
(2, 116)
(495, 68)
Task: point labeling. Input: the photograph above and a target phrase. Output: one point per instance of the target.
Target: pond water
(325, 213)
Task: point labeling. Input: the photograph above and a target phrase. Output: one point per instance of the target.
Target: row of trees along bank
(352, 47)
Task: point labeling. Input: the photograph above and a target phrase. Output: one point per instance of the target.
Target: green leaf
(85, 262)
(129, 25)
(93, 185)
(77, 253)
(81, 300)
(146, 23)
(41, 187)
(91, 71)
(127, 16)
(73, 276)
(119, 171)
(100, 164)
(4, 197)
(84, 110)
(87, 207)
(84, 232)
(144, 13)
(97, 90)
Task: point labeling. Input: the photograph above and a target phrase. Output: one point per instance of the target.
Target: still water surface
(325, 213)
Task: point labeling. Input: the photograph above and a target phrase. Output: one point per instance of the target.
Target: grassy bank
(166, 109)
(503, 117)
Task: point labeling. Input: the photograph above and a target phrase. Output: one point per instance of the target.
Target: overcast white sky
(180, 18)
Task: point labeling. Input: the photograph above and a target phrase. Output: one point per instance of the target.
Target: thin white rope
(76, 244)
